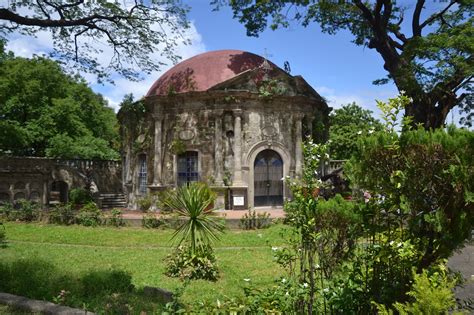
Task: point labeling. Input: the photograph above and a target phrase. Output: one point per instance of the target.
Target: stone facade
(240, 131)
(47, 181)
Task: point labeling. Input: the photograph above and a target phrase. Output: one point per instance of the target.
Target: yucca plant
(192, 203)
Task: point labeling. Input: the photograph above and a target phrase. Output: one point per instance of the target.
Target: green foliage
(253, 220)
(185, 264)
(192, 204)
(22, 210)
(95, 290)
(150, 221)
(347, 124)
(425, 180)
(130, 31)
(323, 233)
(46, 112)
(90, 215)
(80, 196)
(62, 214)
(115, 218)
(145, 203)
(428, 54)
(431, 293)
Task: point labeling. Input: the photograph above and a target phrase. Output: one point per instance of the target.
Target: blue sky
(338, 69)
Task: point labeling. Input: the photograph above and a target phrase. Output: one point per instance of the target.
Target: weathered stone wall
(34, 178)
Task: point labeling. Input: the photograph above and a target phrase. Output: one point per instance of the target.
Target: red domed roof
(204, 71)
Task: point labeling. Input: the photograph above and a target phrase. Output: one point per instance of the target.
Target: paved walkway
(228, 214)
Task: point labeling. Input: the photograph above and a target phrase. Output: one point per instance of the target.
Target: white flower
(274, 248)
(287, 293)
(283, 280)
(317, 266)
(305, 285)
(391, 243)
(400, 244)
(359, 132)
(326, 290)
(247, 280)
(402, 92)
(371, 131)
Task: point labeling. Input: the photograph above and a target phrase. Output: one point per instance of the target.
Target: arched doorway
(59, 192)
(268, 186)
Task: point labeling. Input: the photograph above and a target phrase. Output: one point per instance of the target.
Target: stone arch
(249, 161)
(59, 191)
(18, 196)
(35, 196)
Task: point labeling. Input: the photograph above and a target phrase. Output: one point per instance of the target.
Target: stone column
(238, 148)
(298, 145)
(157, 167)
(218, 149)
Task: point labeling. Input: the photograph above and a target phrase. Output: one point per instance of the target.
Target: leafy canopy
(427, 49)
(347, 124)
(83, 30)
(45, 112)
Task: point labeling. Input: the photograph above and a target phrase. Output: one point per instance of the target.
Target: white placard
(239, 201)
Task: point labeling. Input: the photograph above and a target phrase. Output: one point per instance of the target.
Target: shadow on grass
(109, 291)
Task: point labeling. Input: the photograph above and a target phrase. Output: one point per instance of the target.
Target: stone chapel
(229, 118)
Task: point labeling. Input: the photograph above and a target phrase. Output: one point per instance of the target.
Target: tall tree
(430, 57)
(346, 125)
(45, 112)
(132, 29)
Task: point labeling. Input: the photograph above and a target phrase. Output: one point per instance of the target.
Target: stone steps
(109, 201)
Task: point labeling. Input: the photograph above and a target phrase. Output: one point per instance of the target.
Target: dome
(204, 71)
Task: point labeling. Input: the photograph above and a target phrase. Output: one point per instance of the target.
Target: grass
(75, 251)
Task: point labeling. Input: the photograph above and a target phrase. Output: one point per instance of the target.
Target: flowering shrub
(185, 264)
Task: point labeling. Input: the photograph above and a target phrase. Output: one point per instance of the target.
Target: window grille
(188, 168)
(142, 175)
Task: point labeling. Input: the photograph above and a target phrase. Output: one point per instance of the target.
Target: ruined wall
(34, 178)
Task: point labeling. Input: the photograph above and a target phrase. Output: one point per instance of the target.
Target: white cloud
(364, 98)
(115, 93)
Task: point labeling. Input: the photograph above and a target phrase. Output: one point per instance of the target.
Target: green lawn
(76, 250)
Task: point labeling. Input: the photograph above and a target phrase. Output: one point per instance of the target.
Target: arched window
(142, 175)
(188, 170)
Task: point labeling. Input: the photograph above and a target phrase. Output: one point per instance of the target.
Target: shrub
(185, 264)
(23, 210)
(150, 221)
(116, 218)
(80, 196)
(90, 215)
(253, 220)
(6, 211)
(145, 203)
(62, 214)
(431, 293)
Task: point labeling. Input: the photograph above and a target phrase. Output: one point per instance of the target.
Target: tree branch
(415, 23)
(438, 15)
